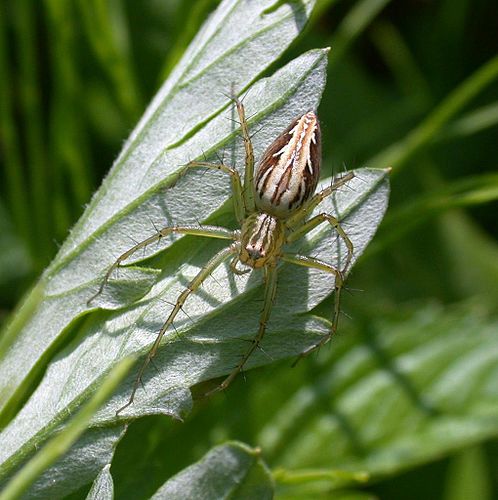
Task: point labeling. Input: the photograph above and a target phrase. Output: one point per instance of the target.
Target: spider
(271, 206)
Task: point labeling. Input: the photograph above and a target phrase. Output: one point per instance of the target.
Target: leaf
(312, 483)
(471, 123)
(62, 442)
(144, 187)
(411, 388)
(233, 48)
(207, 343)
(232, 470)
(80, 465)
(103, 486)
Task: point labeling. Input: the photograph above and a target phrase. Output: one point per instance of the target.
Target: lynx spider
(271, 209)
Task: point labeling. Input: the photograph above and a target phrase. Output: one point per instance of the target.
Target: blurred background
(412, 84)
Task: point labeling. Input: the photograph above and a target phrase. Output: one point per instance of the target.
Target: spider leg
(196, 282)
(269, 297)
(235, 270)
(314, 201)
(209, 231)
(305, 228)
(239, 202)
(249, 163)
(311, 262)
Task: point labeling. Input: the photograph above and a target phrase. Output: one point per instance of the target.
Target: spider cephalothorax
(272, 207)
(261, 239)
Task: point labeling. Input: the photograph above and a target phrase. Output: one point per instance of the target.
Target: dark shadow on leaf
(387, 363)
(298, 9)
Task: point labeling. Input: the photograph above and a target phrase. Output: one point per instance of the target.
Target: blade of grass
(16, 188)
(455, 227)
(473, 122)
(69, 149)
(468, 476)
(26, 33)
(109, 39)
(398, 154)
(466, 192)
(335, 477)
(59, 444)
(401, 62)
(197, 12)
(358, 18)
(474, 267)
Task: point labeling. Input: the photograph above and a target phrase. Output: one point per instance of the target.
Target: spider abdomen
(288, 173)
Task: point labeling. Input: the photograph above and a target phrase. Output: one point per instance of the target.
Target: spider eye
(254, 252)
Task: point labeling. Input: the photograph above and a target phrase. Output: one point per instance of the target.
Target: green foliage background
(411, 85)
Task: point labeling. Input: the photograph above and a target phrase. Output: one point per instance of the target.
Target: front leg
(209, 231)
(239, 202)
(249, 162)
(194, 284)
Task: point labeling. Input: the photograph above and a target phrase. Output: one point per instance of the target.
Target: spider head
(262, 236)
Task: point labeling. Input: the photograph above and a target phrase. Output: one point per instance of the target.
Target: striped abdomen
(288, 173)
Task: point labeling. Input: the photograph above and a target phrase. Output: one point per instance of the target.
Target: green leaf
(232, 470)
(61, 443)
(313, 482)
(204, 345)
(233, 48)
(412, 388)
(103, 486)
(146, 186)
